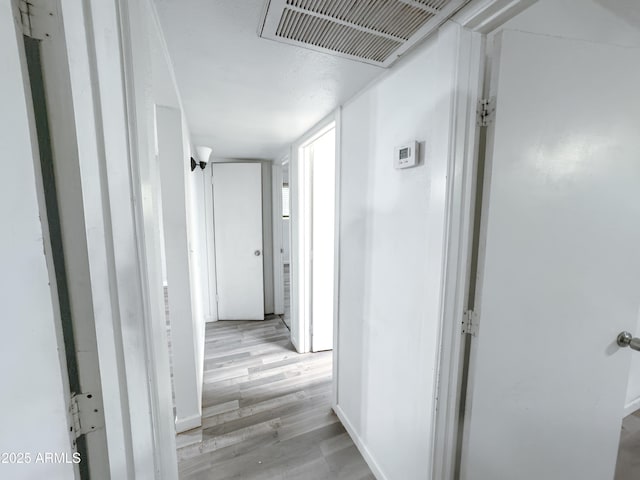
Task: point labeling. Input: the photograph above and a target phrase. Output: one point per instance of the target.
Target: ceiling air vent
(371, 31)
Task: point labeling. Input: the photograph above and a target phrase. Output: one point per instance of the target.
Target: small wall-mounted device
(406, 156)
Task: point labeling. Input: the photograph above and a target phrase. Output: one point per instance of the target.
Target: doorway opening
(286, 244)
(317, 180)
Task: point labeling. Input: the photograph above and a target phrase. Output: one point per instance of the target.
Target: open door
(237, 207)
(559, 263)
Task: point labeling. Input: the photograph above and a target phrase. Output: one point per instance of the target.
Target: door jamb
(278, 260)
(147, 254)
(211, 246)
(336, 255)
(469, 27)
(300, 284)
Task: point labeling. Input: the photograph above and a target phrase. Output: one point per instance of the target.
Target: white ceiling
(245, 96)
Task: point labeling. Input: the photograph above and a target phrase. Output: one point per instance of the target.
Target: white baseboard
(373, 465)
(295, 344)
(188, 423)
(632, 406)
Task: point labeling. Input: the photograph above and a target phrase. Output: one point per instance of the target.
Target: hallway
(266, 411)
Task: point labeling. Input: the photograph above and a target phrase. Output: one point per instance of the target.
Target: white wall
(197, 226)
(153, 83)
(596, 21)
(33, 401)
(144, 84)
(182, 297)
(583, 20)
(391, 250)
(198, 237)
(391, 240)
(190, 297)
(286, 240)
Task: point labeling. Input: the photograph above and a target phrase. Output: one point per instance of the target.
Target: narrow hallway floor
(266, 411)
(628, 467)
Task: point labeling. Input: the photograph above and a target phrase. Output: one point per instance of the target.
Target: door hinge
(470, 323)
(86, 415)
(486, 111)
(37, 18)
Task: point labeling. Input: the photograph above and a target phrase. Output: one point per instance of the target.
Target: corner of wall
(360, 445)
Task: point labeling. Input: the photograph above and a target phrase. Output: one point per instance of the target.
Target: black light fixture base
(202, 165)
(194, 164)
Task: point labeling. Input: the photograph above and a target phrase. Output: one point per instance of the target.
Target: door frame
(301, 235)
(278, 236)
(211, 245)
(133, 378)
(264, 220)
(467, 33)
(44, 67)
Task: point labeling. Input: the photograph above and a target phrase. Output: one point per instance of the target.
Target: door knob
(257, 253)
(625, 339)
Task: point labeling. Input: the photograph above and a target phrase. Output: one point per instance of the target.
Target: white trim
(300, 325)
(164, 47)
(305, 178)
(148, 250)
(294, 294)
(336, 256)
(278, 224)
(317, 132)
(98, 108)
(188, 423)
(373, 465)
(472, 22)
(459, 217)
(484, 16)
(210, 246)
(304, 233)
(632, 406)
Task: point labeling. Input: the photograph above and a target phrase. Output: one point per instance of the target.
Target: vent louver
(371, 31)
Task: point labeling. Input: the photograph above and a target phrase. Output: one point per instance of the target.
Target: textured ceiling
(244, 96)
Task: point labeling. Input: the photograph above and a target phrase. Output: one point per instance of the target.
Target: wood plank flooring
(628, 466)
(266, 411)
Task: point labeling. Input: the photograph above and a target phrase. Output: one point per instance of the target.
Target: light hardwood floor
(266, 411)
(628, 467)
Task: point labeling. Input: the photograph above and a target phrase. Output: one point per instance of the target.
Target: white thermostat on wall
(406, 156)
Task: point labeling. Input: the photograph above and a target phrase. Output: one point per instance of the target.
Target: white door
(237, 208)
(323, 160)
(559, 262)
